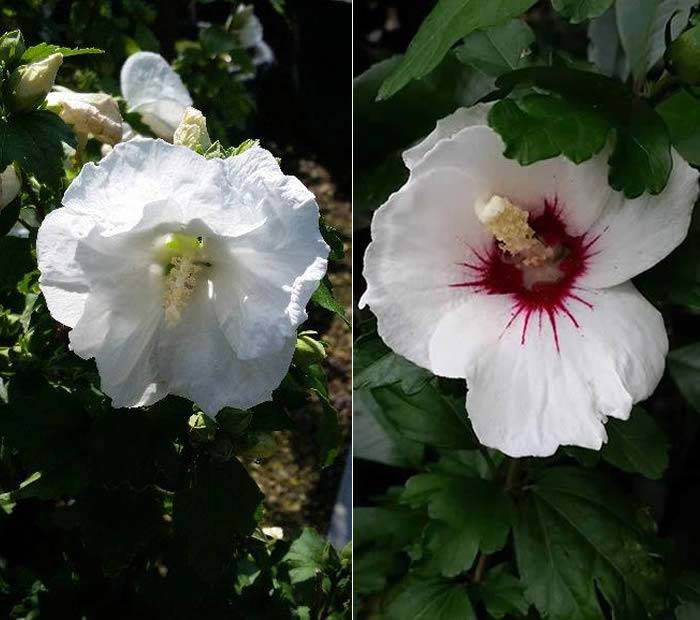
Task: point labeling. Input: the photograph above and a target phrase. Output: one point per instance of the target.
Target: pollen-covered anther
(179, 286)
(509, 224)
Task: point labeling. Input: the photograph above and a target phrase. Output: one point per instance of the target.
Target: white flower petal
(274, 268)
(143, 171)
(634, 235)
(151, 87)
(446, 128)
(581, 192)
(420, 237)
(524, 396)
(197, 361)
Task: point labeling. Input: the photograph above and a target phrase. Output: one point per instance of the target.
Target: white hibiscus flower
(153, 89)
(517, 279)
(181, 274)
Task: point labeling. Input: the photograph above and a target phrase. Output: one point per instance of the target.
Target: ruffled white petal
(476, 116)
(525, 397)
(634, 235)
(197, 361)
(274, 267)
(420, 237)
(581, 192)
(152, 88)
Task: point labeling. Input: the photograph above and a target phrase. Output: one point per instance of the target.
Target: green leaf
(376, 439)
(44, 50)
(424, 416)
(323, 296)
(421, 598)
(220, 506)
(642, 27)
(392, 125)
(376, 365)
(448, 22)
(307, 556)
(498, 49)
(391, 528)
(34, 141)
(641, 159)
(684, 366)
(469, 514)
(681, 112)
(576, 534)
(538, 127)
(637, 445)
(503, 593)
(577, 11)
(332, 237)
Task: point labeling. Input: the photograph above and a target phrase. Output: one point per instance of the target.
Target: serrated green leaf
(34, 140)
(424, 416)
(307, 556)
(375, 365)
(641, 158)
(377, 439)
(681, 113)
(637, 445)
(323, 296)
(503, 593)
(642, 27)
(447, 23)
(332, 237)
(576, 534)
(468, 515)
(577, 11)
(537, 127)
(684, 366)
(422, 598)
(495, 50)
(44, 50)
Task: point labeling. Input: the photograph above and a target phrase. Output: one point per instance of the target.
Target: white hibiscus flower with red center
(517, 279)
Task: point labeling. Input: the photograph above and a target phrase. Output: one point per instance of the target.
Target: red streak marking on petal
(495, 273)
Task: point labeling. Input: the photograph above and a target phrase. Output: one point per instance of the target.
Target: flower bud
(307, 350)
(202, 428)
(192, 131)
(9, 185)
(90, 114)
(11, 47)
(29, 84)
(683, 56)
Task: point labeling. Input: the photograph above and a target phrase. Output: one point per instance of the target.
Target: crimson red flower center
(545, 290)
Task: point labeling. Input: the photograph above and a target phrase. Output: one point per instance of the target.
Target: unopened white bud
(31, 83)
(192, 130)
